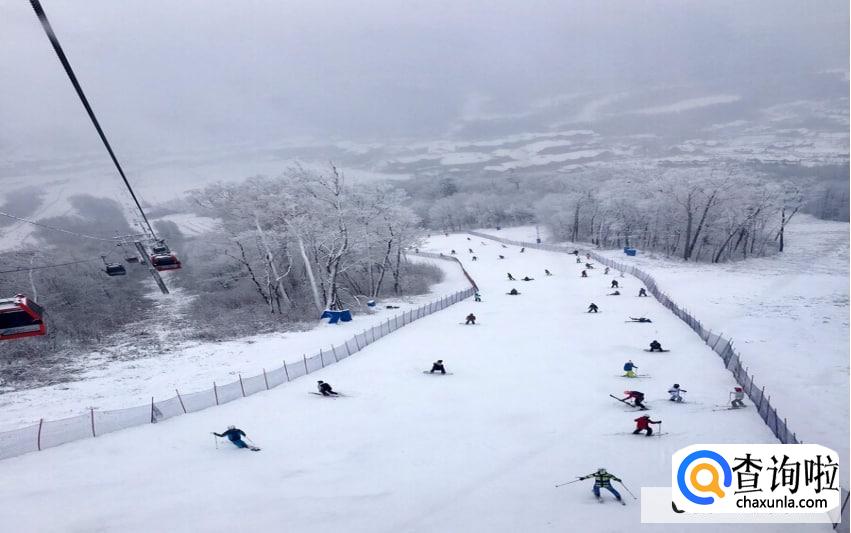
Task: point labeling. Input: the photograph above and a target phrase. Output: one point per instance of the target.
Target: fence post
(38, 439)
(153, 412)
(321, 358)
(216, 392)
(365, 340)
(334, 352)
(240, 385)
(181, 401)
(286, 372)
(265, 379)
(93, 422)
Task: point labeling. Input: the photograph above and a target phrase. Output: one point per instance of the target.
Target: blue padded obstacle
(337, 316)
(630, 251)
(370, 303)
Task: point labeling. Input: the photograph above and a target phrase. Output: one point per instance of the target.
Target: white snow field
(108, 383)
(787, 316)
(476, 451)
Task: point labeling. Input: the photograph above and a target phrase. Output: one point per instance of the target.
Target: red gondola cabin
(165, 261)
(20, 317)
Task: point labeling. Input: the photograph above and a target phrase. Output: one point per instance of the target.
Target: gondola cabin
(115, 269)
(20, 317)
(165, 262)
(160, 248)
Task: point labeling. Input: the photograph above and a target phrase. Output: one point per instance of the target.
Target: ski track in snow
(787, 316)
(478, 451)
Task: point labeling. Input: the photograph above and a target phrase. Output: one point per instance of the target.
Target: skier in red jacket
(642, 423)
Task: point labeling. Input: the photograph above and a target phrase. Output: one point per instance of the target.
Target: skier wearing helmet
(737, 396)
(676, 393)
(325, 388)
(235, 435)
(603, 479)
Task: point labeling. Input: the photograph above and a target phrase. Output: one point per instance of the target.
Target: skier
(606, 271)
(502, 257)
(471, 319)
(655, 346)
(603, 480)
(642, 423)
(637, 398)
(325, 388)
(235, 435)
(614, 284)
(477, 297)
(452, 252)
(578, 260)
(475, 258)
(589, 266)
(629, 367)
(513, 292)
(676, 393)
(522, 250)
(470, 249)
(527, 278)
(640, 319)
(576, 253)
(642, 292)
(615, 293)
(437, 366)
(510, 277)
(593, 308)
(547, 272)
(584, 274)
(737, 396)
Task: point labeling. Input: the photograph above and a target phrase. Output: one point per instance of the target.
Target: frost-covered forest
(283, 250)
(712, 215)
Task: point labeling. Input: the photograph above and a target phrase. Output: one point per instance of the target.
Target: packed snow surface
(787, 316)
(477, 451)
(193, 366)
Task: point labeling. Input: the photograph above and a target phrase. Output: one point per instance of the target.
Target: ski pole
(215, 438)
(627, 489)
(567, 483)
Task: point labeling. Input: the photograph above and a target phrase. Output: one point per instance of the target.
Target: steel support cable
(42, 267)
(69, 232)
(48, 29)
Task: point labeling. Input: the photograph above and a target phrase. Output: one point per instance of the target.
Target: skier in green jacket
(603, 479)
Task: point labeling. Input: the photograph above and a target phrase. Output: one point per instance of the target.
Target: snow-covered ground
(478, 451)
(110, 384)
(787, 316)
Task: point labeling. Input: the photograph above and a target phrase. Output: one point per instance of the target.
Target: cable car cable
(24, 269)
(48, 29)
(54, 228)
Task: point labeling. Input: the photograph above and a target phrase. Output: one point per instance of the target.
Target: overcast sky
(168, 75)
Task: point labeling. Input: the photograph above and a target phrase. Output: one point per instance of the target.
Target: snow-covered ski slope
(478, 451)
(111, 382)
(787, 315)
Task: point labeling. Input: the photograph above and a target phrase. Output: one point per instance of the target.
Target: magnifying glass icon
(713, 485)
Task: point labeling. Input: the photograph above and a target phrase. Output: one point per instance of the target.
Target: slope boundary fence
(50, 433)
(719, 344)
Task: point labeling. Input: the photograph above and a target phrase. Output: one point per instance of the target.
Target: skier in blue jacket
(629, 367)
(234, 435)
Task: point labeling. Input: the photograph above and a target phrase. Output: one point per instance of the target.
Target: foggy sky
(165, 76)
